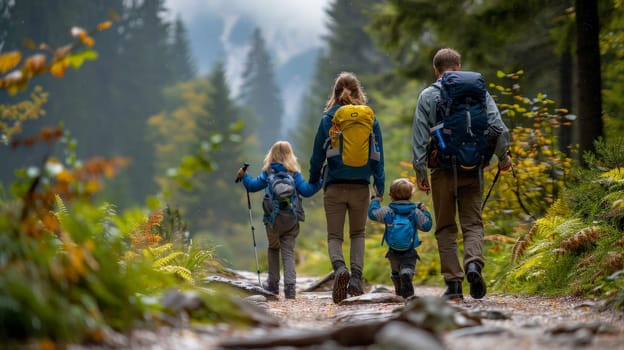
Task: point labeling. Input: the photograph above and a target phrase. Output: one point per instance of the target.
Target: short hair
(401, 189)
(446, 59)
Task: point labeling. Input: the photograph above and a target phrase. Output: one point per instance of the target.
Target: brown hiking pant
(467, 207)
(341, 200)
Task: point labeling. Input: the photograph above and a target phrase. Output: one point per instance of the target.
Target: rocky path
(380, 320)
(495, 322)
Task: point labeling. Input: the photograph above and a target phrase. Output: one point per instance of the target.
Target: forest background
(138, 108)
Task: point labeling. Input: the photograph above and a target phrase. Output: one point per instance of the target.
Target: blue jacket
(382, 214)
(346, 174)
(304, 188)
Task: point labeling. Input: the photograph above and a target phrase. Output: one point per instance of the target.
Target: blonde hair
(281, 152)
(446, 59)
(401, 189)
(347, 91)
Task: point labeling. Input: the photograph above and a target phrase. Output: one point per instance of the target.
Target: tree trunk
(565, 80)
(588, 71)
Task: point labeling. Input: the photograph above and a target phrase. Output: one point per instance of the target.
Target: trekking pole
(253, 234)
(494, 182)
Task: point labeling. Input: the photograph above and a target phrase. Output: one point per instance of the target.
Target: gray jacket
(425, 119)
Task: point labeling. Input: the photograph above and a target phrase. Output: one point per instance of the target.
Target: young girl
(402, 263)
(283, 227)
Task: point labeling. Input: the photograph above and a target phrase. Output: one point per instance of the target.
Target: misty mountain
(214, 38)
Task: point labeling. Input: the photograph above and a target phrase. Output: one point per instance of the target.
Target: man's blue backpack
(281, 195)
(401, 233)
(461, 138)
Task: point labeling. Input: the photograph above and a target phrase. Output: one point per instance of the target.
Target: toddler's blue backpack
(401, 233)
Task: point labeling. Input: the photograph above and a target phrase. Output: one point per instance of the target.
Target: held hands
(421, 206)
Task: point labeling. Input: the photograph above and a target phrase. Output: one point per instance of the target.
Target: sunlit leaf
(500, 74)
(35, 63)
(104, 25)
(58, 68)
(77, 32)
(9, 61)
(87, 41)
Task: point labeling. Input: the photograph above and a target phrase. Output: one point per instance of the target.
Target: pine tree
(182, 64)
(348, 48)
(261, 94)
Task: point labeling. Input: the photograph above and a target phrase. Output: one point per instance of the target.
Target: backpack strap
(414, 221)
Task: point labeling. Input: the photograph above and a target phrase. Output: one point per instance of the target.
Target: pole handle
(244, 168)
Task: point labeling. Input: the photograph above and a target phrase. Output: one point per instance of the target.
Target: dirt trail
(507, 321)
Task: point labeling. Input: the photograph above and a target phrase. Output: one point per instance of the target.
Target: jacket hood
(402, 207)
(277, 167)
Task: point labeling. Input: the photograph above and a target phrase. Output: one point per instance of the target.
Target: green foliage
(577, 246)
(540, 169)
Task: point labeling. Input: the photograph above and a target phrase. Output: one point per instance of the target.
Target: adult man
(455, 192)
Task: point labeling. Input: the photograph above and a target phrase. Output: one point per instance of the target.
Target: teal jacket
(345, 174)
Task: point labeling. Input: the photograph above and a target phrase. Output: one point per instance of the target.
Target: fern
(61, 209)
(179, 271)
(164, 261)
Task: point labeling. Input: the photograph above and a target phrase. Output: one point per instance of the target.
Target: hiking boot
(407, 288)
(355, 284)
(397, 284)
(341, 280)
(453, 291)
(477, 285)
(289, 291)
(272, 287)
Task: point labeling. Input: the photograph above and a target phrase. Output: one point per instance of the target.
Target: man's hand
(506, 164)
(423, 185)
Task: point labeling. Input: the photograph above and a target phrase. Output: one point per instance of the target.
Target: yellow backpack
(351, 136)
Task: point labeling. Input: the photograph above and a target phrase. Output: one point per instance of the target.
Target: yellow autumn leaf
(87, 41)
(58, 69)
(104, 25)
(9, 61)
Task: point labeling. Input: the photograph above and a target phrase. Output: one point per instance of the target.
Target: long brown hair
(281, 152)
(347, 90)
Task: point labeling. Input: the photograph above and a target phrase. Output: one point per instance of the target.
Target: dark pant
(402, 260)
(467, 206)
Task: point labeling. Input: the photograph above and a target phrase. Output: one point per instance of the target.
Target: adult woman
(346, 189)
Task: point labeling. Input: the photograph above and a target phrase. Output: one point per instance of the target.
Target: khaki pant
(281, 238)
(341, 200)
(467, 206)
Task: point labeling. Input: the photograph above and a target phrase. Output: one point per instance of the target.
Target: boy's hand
(422, 206)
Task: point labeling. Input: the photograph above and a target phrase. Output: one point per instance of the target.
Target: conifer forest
(120, 143)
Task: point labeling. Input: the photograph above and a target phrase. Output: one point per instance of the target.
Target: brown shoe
(341, 280)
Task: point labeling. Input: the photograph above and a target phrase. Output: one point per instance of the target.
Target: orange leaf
(9, 60)
(104, 25)
(35, 63)
(88, 41)
(58, 69)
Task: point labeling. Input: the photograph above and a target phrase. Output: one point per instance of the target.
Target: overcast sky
(289, 26)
